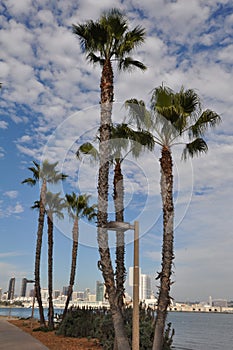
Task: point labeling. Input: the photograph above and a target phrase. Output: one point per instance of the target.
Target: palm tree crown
(179, 115)
(78, 206)
(110, 39)
(46, 171)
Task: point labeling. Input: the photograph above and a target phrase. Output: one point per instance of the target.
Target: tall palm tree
(106, 40)
(124, 140)
(177, 119)
(44, 173)
(78, 207)
(54, 206)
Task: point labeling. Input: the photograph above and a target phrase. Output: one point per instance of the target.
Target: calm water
(202, 331)
(193, 331)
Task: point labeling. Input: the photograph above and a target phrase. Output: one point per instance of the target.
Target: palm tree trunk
(38, 252)
(73, 266)
(167, 251)
(50, 271)
(105, 263)
(118, 197)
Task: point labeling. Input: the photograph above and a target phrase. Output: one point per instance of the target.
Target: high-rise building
(131, 276)
(80, 295)
(11, 289)
(145, 287)
(100, 290)
(145, 290)
(65, 291)
(23, 287)
(86, 294)
(56, 294)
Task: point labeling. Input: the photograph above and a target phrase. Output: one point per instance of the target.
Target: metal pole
(135, 333)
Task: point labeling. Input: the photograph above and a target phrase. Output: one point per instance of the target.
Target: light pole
(124, 226)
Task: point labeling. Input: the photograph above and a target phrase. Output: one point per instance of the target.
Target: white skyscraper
(144, 284)
(145, 287)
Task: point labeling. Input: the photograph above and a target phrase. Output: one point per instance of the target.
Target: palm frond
(29, 181)
(207, 119)
(128, 64)
(195, 148)
(88, 149)
(138, 114)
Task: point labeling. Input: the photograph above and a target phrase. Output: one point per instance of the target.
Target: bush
(97, 323)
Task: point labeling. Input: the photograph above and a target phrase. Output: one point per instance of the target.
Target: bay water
(193, 330)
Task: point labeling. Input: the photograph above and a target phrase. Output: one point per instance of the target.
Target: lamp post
(124, 226)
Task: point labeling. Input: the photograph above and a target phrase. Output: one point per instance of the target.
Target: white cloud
(11, 194)
(3, 124)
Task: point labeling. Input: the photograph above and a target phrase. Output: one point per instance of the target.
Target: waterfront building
(65, 290)
(74, 295)
(145, 287)
(100, 290)
(44, 294)
(11, 289)
(80, 295)
(220, 302)
(23, 287)
(31, 293)
(86, 293)
(56, 294)
(0, 293)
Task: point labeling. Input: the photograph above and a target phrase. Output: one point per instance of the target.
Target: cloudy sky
(50, 103)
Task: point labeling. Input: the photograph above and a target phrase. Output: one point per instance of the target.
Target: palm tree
(104, 41)
(45, 173)
(176, 116)
(54, 206)
(78, 207)
(124, 140)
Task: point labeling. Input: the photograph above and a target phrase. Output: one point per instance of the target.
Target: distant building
(74, 295)
(86, 294)
(145, 290)
(131, 276)
(44, 295)
(219, 303)
(145, 287)
(80, 295)
(11, 289)
(0, 293)
(100, 290)
(91, 297)
(23, 287)
(65, 290)
(56, 293)
(31, 293)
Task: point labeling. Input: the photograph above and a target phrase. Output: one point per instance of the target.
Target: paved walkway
(13, 338)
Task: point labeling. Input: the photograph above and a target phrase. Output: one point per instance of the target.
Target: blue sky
(49, 100)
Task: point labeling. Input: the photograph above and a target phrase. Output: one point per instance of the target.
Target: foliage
(10, 303)
(97, 323)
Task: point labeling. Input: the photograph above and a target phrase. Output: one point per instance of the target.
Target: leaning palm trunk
(102, 216)
(38, 252)
(50, 271)
(118, 197)
(73, 266)
(167, 251)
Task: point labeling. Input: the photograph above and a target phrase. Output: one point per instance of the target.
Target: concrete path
(13, 338)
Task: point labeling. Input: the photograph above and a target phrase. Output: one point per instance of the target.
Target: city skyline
(49, 104)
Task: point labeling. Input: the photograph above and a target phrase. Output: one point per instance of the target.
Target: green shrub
(97, 323)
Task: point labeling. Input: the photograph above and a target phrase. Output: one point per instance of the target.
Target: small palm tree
(174, 117)
(54, 206)
(106, 40)
(78, 207)
(45, 173)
